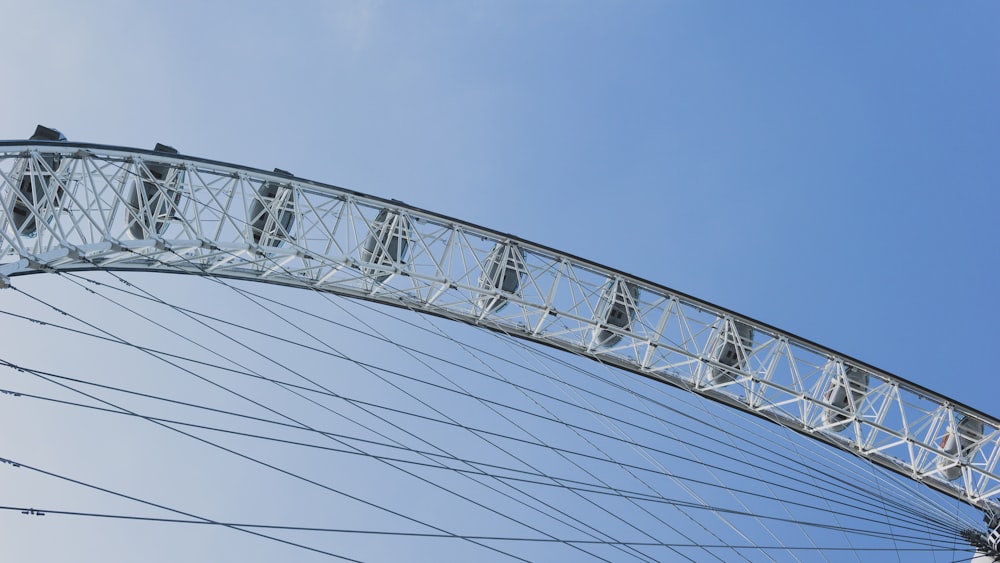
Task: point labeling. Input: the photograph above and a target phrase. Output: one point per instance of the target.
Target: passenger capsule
(153, 201)
(837, 395)
(502, 272)
(386, 244)
(731, 349)
(272, 213)
(970, 431)
(617, 308)
(36, 185)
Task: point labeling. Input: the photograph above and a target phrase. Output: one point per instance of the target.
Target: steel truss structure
(70, 206)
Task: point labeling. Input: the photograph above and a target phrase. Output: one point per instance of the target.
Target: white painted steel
(208, 218)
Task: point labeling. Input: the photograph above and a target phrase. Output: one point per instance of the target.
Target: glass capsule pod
(502, 272)
(40, 191)
(154, 199)
(615, 308)
(731, 349)
(386, 244)
(960, 441)
(846, 395)
(272, 213)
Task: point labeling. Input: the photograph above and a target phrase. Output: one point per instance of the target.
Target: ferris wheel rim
(612, 273)
(514, 238)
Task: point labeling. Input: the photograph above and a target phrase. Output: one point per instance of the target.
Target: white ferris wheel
(413, 386)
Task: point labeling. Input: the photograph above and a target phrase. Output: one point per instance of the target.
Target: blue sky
(830, 169)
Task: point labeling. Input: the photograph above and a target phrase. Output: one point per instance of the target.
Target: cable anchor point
(986, 544)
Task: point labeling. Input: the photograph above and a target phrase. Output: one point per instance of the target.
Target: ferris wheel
(661, 396)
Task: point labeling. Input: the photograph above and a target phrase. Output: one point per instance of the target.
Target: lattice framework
(99, 207)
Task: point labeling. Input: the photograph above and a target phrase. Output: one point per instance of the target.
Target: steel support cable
(481, 505)
(417, 399)
(542, 479)
(888, 522)
(781, 443)
(392, 533)
(901, 495)
(647, 498)
(337, 354)
(247, 328)
(593, 445)
(576, 397)
(250, 458)
(516, 341)
(405, 349)
(249, 417)
(659, 388)
(908, 492)
(835, 514)
(545, 479)
(462, 536)
(641, 400)
(21, 368)
(377, 405)
(20, 465)
(904, 509)
(462, 389)
(520, 344)
(908, 508)
(579, 399)
(908, 500)
(905, 500)
(639, 496)
(857, 463)
(120, 411)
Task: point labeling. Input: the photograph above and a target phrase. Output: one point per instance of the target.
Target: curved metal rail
(69, 206)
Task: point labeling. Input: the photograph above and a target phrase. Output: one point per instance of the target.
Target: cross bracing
(68, 206)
